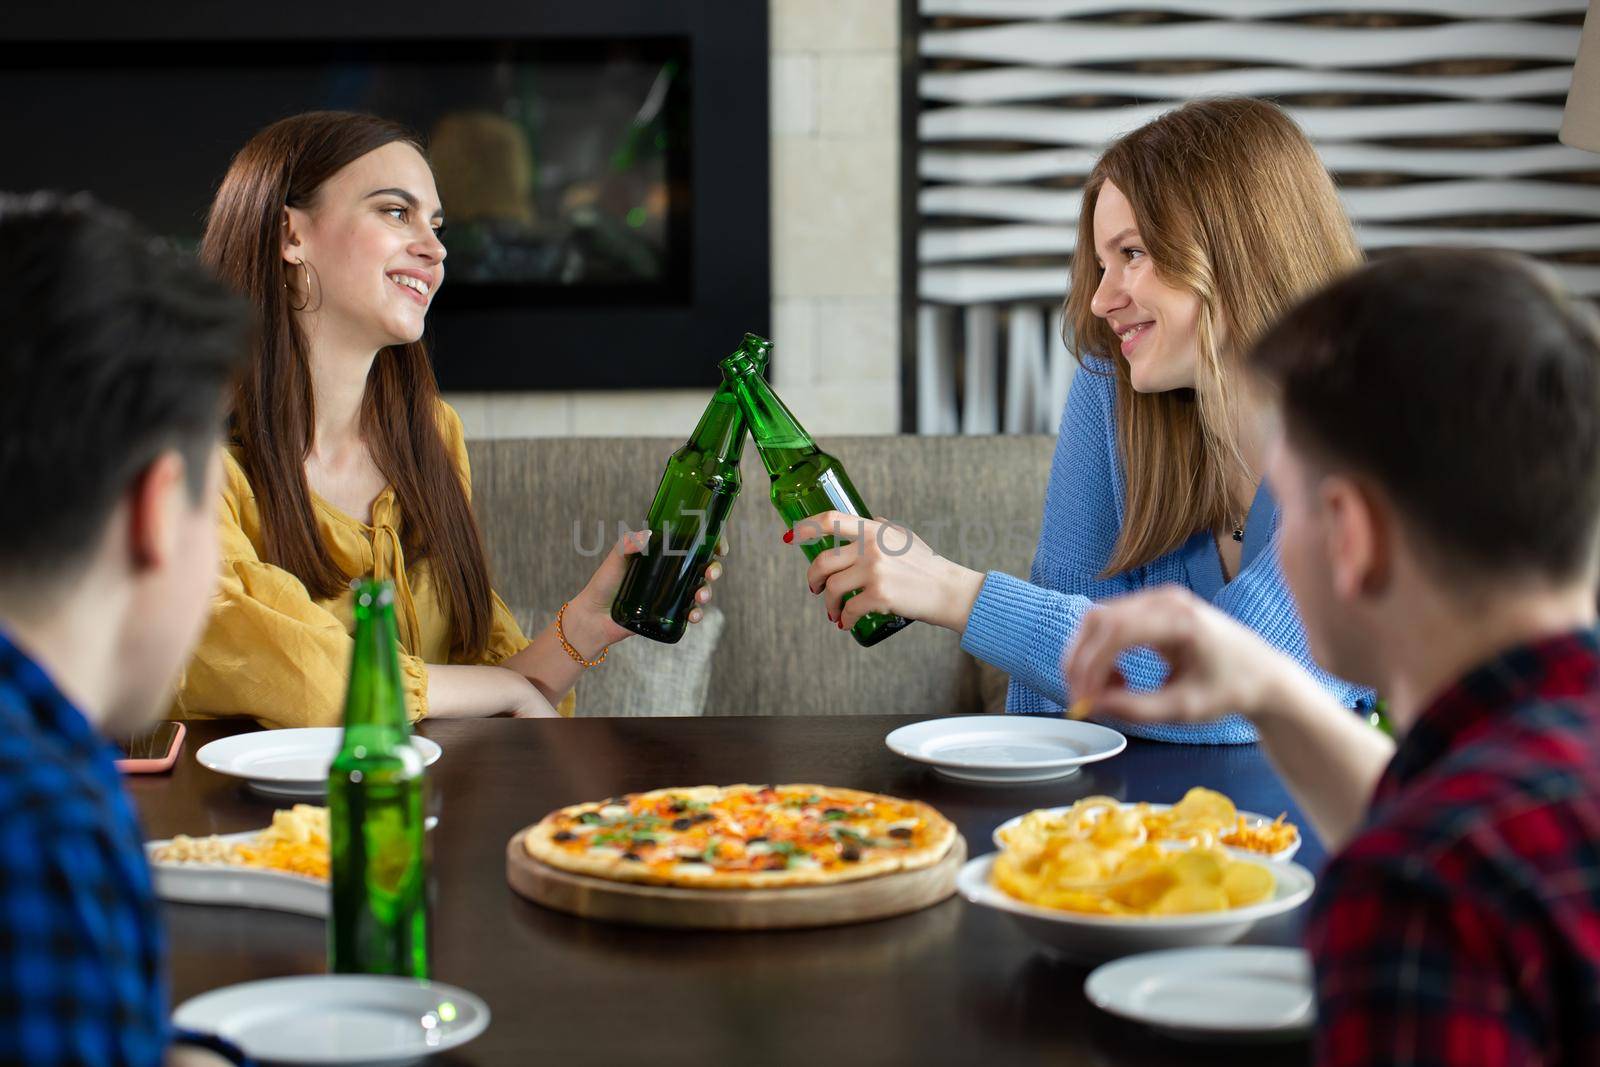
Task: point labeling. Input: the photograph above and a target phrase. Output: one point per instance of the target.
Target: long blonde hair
(1234, 205)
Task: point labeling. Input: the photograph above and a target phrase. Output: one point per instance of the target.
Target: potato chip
(1199, 867)
(1075, 862)
(1010, 876)
(1186, 898)
(1141, 892)
(1117, 829)
(1246, 884)
(1143, 858)
(1082, 900)
(1205, 807)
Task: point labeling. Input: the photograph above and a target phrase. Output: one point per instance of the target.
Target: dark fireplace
(603, 163)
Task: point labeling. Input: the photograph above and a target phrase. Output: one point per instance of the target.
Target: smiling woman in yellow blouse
(344, 460)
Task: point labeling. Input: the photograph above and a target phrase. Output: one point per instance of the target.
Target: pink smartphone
(153, 751)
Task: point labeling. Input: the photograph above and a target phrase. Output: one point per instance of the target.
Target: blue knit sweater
(1024, 627)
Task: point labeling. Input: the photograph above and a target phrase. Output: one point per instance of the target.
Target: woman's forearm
(473, 692)
(548, 666)
(1022, 628)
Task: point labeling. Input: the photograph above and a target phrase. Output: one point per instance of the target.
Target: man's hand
(1328, 756)
(1217, 666)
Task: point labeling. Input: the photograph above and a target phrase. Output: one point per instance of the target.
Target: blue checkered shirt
(1024, 627)
(81, 953)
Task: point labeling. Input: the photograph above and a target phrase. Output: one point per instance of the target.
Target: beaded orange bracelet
(574, 653)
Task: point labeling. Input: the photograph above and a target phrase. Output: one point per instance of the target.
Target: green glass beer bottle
(691, 505)
(805, 479)
(379, 920)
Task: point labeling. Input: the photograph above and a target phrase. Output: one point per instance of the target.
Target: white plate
(1237, 992)
(1097, 938)
(1001, 749)
(1250, 818)
(246, 887)
(348, 1020)
(287, 763)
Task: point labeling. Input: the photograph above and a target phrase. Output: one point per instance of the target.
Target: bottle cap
(751, 355)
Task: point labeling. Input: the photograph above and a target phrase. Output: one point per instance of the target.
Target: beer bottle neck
(780, 438)
(720, 432)
(375, 700)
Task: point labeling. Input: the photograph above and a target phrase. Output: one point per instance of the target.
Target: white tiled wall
(835, 245)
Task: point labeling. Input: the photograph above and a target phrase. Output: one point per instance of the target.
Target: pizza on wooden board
(742, 836)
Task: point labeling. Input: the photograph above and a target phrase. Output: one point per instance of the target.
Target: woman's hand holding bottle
(588, 623)
(888, 568)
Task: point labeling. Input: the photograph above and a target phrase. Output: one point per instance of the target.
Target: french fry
(1268, 838)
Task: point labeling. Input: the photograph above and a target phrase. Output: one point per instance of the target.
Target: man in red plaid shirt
(1438, 470)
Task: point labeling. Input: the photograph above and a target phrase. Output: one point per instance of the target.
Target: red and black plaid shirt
(1462, 926)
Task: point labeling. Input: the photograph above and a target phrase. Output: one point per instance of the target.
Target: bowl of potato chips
(1094, 883)
(1202, 818)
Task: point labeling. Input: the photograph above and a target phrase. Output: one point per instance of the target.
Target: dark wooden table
(951, 984)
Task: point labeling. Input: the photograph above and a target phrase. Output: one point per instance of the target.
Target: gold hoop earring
(302, 265)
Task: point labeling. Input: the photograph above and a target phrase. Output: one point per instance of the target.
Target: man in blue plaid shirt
(114, 355)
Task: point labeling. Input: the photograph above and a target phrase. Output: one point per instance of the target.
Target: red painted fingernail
(788, 537)
(841, 622)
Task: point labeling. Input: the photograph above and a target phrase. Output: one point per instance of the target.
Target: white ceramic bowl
(1097, 938)
(1250, 817)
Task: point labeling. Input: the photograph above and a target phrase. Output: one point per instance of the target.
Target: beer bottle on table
(805, 479)
(691, 505)
(379, 920)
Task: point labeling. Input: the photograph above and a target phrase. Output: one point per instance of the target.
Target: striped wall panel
(1438, 119)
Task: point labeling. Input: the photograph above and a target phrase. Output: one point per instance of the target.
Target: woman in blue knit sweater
(1196, 232)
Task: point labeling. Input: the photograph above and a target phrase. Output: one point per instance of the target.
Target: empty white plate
(287, 763)
(338, 1020)
(1001, 749)
(1238, 992)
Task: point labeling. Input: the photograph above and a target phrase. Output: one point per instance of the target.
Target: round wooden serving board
(732, 909)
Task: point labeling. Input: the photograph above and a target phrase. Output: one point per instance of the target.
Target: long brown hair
(1234, 205)
(273, 408)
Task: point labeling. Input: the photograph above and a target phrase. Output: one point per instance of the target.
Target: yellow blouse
(272, 652)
